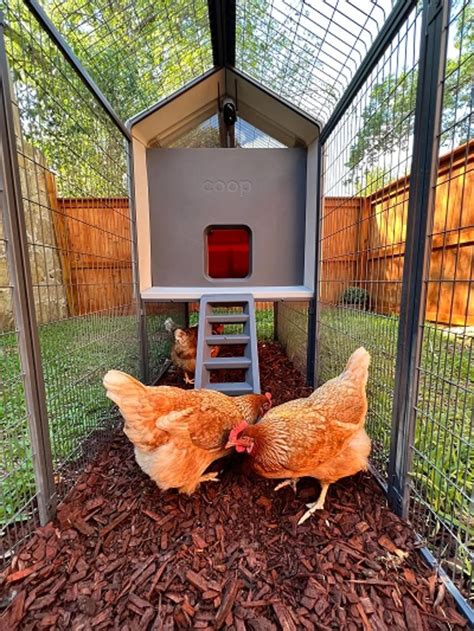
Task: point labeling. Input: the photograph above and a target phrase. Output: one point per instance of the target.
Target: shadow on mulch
(124, 555)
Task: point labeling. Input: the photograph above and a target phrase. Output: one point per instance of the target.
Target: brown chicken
(178, 433)
(322, 436)
(183, 353)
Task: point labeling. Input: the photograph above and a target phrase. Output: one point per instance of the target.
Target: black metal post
(420, 216)
(313, 320)
(222, 16)
(11, 203)
(142, 336)
(74, 62)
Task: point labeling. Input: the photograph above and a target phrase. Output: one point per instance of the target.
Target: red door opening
(228, 251)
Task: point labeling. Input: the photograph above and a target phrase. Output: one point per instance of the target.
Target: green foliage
(268, 53)
(75, 354)
(200, 137)
(355, 296)
(387, 120)
(372, 181)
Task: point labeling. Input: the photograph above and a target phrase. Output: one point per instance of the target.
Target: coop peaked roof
(303, 52)
(187, 108)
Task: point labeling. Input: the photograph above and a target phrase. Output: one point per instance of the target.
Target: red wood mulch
(124, 555)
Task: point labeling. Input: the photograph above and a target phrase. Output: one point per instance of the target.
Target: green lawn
(442, 471)
(76, 353)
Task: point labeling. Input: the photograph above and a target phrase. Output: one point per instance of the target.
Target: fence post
(24, 309)
(422, 181)
(142, 336)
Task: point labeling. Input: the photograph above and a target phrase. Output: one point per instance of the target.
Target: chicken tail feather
(120, 386)
(357, 367)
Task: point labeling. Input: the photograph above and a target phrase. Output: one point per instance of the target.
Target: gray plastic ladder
(205, 363)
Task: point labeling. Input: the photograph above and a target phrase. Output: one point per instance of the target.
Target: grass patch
(442, 474)
(76, 353)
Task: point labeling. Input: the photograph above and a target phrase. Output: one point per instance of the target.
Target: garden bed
(122, 554)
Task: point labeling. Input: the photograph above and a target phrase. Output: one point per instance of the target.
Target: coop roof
(297, 56)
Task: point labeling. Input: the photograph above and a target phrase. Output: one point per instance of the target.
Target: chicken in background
(322, 436)
(178, 433)
(183, 352)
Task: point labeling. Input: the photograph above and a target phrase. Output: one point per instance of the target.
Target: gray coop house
(233, 225)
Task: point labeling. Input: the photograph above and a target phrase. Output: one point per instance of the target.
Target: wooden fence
(363, 244)
(93, 239)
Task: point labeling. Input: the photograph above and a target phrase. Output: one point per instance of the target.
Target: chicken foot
(187, 379)
(210, 477)
(318, 505)
(290, 482)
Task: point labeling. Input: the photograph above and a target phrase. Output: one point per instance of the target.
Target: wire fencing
(73, 191)
(442, 450)
(421, 422)
(363, 227)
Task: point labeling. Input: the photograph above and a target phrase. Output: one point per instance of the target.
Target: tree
(387, 119)
(137, 52)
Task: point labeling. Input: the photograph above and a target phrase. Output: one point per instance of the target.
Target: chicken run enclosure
(318, 156)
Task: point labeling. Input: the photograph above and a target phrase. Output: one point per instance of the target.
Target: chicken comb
(238, 429)
(269, 396)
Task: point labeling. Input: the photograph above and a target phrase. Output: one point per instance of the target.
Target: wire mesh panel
(367, 162)
(206, 134)
(18, 505)
(137, 52)
(442, 472)
(292, 331)
(74, 188)
(306, 52)
(159, 340)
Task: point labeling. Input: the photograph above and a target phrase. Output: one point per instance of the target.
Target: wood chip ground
(123, 555)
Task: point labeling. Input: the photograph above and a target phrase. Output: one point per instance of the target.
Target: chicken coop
(312, 161)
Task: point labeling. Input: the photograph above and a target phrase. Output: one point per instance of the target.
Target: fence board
(363, 243)
(97, 271)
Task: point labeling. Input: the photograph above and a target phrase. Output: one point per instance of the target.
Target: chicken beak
(229, 444)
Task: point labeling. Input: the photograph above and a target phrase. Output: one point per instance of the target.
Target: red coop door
(228, 251)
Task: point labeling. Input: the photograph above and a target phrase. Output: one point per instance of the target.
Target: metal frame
(391, 27)
(66, 50)
(169, 99)
(222, 24)
(24, 306)
(142, 336)
(422, 181)
(313, 315)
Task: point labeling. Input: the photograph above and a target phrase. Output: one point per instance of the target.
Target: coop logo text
(240, 187)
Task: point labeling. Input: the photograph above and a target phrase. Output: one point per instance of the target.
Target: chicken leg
(210, 477)
(318, 505)
(188, 380)
(290, 482)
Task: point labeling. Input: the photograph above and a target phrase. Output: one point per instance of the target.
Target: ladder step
(247, 338)
(224, 363)
(231, 388)
(229, 318)
(223, 340)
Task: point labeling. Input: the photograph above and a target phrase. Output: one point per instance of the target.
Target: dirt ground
(123, 555)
